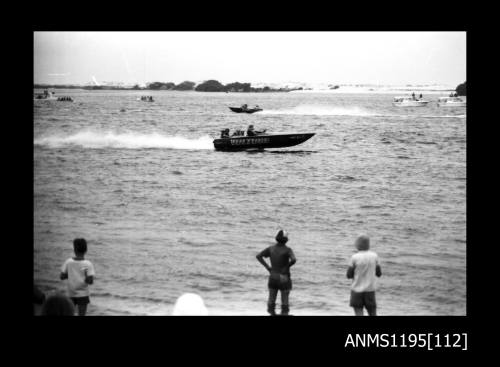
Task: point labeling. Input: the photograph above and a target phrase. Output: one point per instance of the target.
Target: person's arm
(89, 274)
(350, 270)
(292, 259)
(260, 257)
(64, 271)
(89, 279)
(378, 269)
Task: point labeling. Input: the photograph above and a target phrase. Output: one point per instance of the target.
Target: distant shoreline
(344, 90)
(69, 86)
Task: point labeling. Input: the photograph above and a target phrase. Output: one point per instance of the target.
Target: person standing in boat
(413, 95)
(282, 258)
(420, 97)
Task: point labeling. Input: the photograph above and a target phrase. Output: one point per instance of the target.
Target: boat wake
(99, 140)
(318, 110)
(445, 116)
(298, 152)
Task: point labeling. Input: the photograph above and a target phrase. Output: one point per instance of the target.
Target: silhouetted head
(190, 304)
(58, 305)
(80, 246)
(362, 243)
(282, 237)
(250, 126)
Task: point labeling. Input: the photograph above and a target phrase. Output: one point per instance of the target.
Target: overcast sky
(396, 58)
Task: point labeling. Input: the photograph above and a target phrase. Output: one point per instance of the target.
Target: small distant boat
(46, 96)
(406, 101)
(146, 99)
(245, 110)
(65, 99)
(451, 102)
(260, 141)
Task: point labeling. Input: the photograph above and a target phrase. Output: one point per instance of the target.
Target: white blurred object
(190, 304)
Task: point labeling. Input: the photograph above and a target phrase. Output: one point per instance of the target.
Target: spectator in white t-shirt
(79, 273)
(190, 304)
(363, 269)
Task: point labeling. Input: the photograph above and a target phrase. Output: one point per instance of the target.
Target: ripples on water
(165, 214)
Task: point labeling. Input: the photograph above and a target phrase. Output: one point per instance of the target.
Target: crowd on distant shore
(79, 273)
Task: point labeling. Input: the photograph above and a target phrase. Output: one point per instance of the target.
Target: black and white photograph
(249, 173)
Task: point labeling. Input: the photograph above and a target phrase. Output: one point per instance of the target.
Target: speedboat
(408, 102)
(260, 141)
(451, 102)
(245, 110)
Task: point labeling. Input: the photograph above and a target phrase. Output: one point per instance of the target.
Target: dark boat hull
(264, 141)
(249, 110)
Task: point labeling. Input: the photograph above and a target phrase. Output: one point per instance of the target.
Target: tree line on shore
(207, 86)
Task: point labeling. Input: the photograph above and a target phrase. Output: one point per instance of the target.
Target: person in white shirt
(190, 304)
(363, 269)
(79, 273)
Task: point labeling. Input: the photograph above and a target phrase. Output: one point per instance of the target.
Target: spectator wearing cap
(282, 258)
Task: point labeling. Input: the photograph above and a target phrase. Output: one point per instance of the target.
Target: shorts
(360, 299)
(81, 300)
(279, 281)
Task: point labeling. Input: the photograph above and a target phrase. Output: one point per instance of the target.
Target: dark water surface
(165, 214)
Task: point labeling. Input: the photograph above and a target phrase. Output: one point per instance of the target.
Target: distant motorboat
(245, 110)
(146, 99)
(451, 102)
(46, 95)
(406, 101)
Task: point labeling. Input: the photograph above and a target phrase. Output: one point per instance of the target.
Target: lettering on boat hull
(250, 141)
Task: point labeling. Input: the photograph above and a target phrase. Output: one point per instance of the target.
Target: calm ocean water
(165, 214)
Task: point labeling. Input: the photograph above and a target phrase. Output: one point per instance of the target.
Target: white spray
(130, 140)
